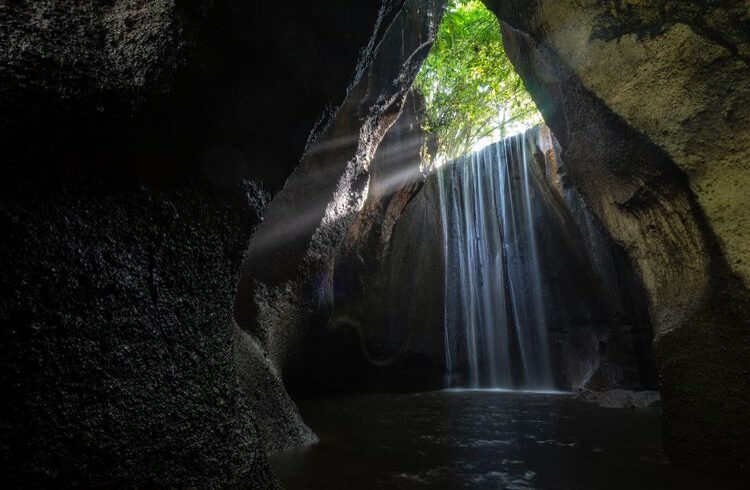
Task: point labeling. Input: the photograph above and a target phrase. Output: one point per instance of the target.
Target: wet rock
(632, 400)
(388, 274)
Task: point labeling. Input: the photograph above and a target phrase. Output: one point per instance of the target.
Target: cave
(238, 253)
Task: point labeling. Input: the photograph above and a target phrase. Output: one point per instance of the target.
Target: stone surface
(632, 400)
(129, 132)
(388, 275)
(286, 288)
(656, 139)
(117, 352)
(698, 89)
(157, 88)
(598, 323)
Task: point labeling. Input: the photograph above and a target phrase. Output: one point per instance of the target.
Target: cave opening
(375, 244)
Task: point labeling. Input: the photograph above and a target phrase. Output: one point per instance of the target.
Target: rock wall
(649, 102)
(117, 365)
(599, 326)
(388, 274)
(286, 286)
(167, 89)
(138, 138)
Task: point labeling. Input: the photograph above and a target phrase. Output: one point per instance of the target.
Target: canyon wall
(140, 140)
(388, 274)
(117, 365)
(391, 287)
(287, 285)
(649, 101)
(167, 90)
(598, 314)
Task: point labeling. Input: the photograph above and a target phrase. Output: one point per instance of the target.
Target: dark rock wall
(598, 320)
(117, 353)
(286, 287)
(388, 274)
(650, 109)
(137, 140)
(166, 89)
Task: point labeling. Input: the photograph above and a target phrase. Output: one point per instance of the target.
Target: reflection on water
(483, 440)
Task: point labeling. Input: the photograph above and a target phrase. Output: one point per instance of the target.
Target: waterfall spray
(495, 314)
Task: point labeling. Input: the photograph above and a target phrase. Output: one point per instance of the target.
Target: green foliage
(471, 89)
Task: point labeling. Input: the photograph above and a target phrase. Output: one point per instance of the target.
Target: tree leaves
(470, 86)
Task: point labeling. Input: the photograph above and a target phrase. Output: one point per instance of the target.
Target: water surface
(481, 440)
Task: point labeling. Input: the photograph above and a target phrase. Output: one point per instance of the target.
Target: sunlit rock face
(679, 74)
(287, 286)
(650, 103)
(388, 275)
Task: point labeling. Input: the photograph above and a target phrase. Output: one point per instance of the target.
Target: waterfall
(495, 317)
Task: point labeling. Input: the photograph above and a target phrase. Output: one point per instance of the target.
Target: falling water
(495, 327)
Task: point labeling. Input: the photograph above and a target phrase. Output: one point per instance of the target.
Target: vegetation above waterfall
(473, 94)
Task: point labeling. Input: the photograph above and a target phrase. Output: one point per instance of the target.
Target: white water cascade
(495, 319)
